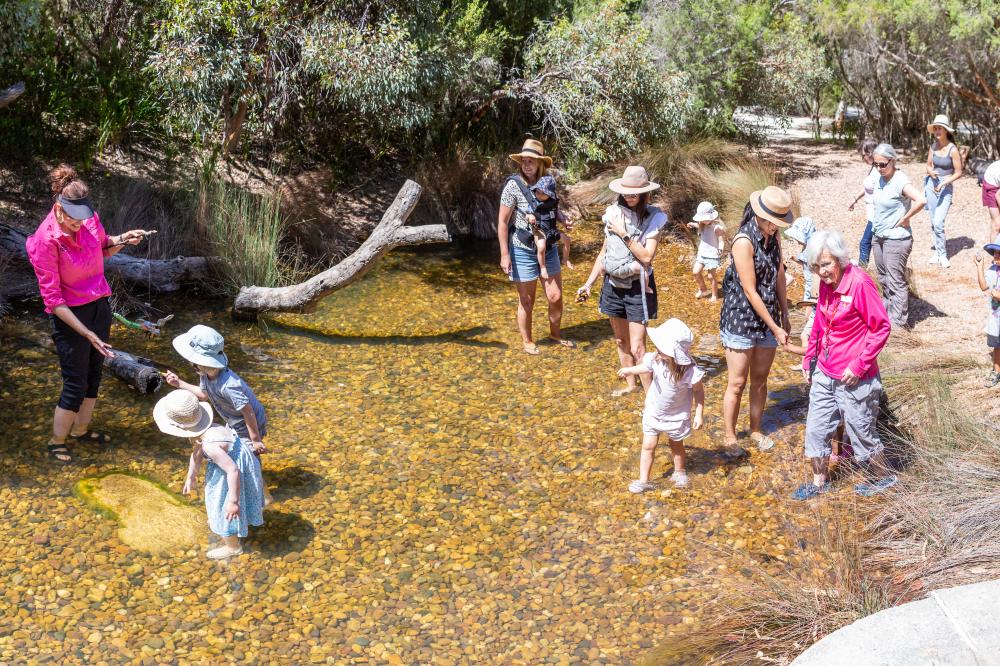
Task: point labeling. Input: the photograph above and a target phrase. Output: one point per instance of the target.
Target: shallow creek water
(441, 497)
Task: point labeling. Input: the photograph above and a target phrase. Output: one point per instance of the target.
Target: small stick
(145, 234)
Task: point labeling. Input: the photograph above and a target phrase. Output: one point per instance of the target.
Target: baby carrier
(545, 211)
(618, 259)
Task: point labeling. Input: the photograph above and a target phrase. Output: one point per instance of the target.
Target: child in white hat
(229, 394)
(675, 384)
(234, 489)
(988, 275)
(711, 245)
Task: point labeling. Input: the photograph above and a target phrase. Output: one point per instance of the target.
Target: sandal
(565, 343)
(59, 452)
(531, 348)
(102, 440)
(876, 487)
(638, 486)
(619, 392)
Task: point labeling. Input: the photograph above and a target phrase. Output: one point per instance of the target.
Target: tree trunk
(9, 95)
(390, 233)
(159, 275)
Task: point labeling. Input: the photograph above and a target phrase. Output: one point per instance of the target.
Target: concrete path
(959, 626)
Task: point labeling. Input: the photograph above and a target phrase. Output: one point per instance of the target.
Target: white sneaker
(933, 259)
(223, 552)
(680, 480)
(638, 486)
(943, 260)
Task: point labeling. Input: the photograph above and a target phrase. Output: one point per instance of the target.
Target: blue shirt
(229, 394)
(890, 206)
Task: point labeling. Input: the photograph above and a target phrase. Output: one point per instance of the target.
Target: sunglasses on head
(880, 165)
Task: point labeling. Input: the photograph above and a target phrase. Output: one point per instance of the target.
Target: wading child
(989, 280)
(543, 218)
(231, 397)
(711, 245)
(234, 489)
(676, 382)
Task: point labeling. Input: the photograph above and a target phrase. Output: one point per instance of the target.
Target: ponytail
(64, 181)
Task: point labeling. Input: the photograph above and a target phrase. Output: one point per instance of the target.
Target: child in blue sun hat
(989, 281)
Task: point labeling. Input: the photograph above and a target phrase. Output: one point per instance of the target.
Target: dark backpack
(524, 235)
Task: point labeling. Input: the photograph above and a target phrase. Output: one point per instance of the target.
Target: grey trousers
(829, 401)
(891, 256)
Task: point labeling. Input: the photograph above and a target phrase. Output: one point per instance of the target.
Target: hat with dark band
(78, 209)
(532, 148)
(773, 204)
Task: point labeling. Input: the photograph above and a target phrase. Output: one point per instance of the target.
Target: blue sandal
(808, 491)
(877, 486)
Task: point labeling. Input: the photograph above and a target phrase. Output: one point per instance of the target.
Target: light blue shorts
(710, 263)
(524, 263)
(740, 342)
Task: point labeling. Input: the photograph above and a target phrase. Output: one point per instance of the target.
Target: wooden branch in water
(160, 275)
(390, 233)
(10, 94)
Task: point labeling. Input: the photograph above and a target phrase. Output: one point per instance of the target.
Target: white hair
(832, 242)
(885, 150)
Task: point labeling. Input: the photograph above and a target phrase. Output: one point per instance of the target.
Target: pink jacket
(69, 267)
(850, 328)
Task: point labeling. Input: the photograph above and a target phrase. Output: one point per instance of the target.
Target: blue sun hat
(801, 230)
(546, 185)
(994, 246)
(202, 345)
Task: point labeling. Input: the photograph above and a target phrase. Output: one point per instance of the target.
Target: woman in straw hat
(234, 489)
(518, 257)
(944, 166)
(631, 234)
(754, 319)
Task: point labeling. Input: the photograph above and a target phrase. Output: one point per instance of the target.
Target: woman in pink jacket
(840, 363)
(67, 252)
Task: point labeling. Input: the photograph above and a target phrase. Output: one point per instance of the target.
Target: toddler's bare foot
(569, 264)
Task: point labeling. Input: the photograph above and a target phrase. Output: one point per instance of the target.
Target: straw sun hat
(180, 414)
(773, 204)
(532, 148)
(940, 120)
(635, 180)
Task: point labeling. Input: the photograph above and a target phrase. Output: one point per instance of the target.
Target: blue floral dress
(217, 484)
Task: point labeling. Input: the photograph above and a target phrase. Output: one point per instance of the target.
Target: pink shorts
(990, 195)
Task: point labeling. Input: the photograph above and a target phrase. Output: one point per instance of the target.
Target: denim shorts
(740, 342)
(710, 263)
(524, 263)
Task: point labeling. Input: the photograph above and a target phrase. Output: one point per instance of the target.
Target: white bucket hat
(202, 345)
(635, 180)
(940, 120)
(674, 339)
(706, 211)
(180, 414)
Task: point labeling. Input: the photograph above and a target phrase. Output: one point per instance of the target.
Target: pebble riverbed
(441, 498)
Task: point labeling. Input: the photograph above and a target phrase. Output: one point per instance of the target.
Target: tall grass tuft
(245, 230)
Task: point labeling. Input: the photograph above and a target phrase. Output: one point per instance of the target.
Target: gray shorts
(992, 341)
(830, 400)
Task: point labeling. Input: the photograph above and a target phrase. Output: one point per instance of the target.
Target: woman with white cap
(234, 489)
(896, 201)
(628, 296)
(67, 252)
(754, 318)
(518, 258)
(944, 166)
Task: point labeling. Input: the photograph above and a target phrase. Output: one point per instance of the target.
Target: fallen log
(10, 94)
(158, 275)
(390, 233)
(139, 373)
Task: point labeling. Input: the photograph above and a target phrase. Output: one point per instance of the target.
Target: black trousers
(80, 363)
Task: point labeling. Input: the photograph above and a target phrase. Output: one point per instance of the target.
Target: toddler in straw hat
(234, 489)
(675, 384)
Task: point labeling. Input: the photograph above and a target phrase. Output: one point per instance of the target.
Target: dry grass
(463, 191)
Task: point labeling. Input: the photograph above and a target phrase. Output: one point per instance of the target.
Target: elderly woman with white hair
(840, 363)
(892, 198)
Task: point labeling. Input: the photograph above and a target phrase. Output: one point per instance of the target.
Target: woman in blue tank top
(944, 166)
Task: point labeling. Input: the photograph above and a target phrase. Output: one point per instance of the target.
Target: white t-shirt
(992, 175)
(870, 183)
(657, 220)
(708, 246)
(668, 403)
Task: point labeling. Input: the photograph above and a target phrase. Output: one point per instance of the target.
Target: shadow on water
(462, 337)
(591, 332)
(281, 534)
(294, 482)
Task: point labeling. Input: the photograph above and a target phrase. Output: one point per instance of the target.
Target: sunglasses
(881, 165)
(631, 196)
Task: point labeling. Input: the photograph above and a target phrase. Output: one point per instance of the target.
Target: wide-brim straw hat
(773, 204)
(180, 414)
(532, 148)
(674, 339)
(635, 180)
(940, 120)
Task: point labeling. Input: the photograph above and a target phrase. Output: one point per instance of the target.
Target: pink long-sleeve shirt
(69, 267)
(850, 328)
